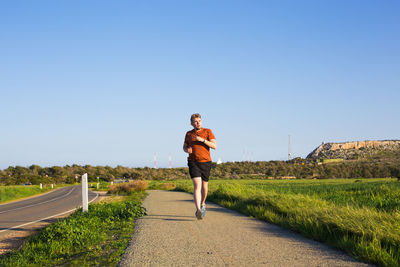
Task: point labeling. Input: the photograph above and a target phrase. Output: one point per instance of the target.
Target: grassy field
(359, 216)
(96, 238)
(15, 192)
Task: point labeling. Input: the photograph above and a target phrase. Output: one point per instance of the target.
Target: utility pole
(170, 160)
(155, 160)
(289, 149)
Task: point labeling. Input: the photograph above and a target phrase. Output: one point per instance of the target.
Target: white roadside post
(40, 185)
(98, 182)
(52, 186)
(84, 193)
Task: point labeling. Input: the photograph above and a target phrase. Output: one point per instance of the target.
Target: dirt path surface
(170, 235)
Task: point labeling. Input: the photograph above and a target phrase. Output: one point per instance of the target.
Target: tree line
(298, 168)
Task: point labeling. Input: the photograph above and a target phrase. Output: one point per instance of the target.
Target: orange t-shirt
(200, 151)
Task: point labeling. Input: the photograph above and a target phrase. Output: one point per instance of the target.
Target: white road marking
(39, 202)
(14, 227)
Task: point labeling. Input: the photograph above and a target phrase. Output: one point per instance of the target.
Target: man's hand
(187, 148)
(200, 139)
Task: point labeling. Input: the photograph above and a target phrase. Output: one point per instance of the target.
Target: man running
(197, 143)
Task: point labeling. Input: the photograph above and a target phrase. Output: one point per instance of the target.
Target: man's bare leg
(204, 191)
(197, 191)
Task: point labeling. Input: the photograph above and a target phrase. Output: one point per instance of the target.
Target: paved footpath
(170, 235)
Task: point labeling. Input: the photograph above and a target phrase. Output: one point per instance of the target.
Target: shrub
(128, 188)
(168, 186)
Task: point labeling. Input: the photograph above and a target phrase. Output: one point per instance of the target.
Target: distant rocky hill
(387, 149)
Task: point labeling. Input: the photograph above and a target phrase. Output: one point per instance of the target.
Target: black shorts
(199, 169)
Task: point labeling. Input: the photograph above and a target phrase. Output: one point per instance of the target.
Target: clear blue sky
(112, 82)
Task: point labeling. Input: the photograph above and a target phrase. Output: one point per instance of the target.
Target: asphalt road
(16, 215)
(170, 235)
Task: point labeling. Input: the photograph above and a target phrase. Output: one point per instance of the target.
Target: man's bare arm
(212, 143)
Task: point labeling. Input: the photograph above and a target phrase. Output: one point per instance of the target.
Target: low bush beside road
(127, 188)
(95, 238)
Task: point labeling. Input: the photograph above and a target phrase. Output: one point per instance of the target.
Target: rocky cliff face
(355, 150)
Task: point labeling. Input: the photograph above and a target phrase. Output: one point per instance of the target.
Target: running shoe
(199, 215)
(203, 210)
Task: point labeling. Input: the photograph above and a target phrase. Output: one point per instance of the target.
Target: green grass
(359, 216)
(15, 192)
(103, 186)
(332, 160)
(161, 185)
(96, 238)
